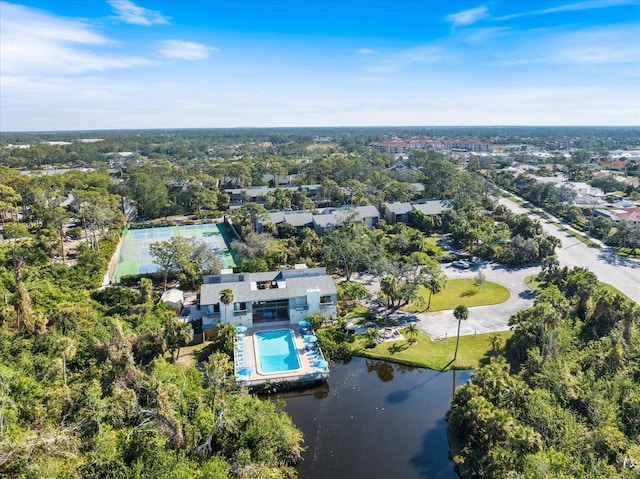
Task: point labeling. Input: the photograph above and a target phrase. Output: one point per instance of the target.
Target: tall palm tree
(435, 284)
(461, 313)
(226, 296)
(412, 332)
(389, 286)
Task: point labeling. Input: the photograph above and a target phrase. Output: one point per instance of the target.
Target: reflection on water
(376, 419)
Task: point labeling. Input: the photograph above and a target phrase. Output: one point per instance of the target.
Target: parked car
(461, 264)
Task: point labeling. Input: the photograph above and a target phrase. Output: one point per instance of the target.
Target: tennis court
(135, 257)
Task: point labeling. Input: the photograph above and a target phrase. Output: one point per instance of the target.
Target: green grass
(612, 289)
(463, 291)
(580, 237)
(356, 312)
(628, 252)
(473, 350)
(189, 354)
(533, 283)
(434, 239)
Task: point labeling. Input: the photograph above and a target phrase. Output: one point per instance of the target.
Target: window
(241, 306)
(213, 308)
(325, 299)
(300, 302)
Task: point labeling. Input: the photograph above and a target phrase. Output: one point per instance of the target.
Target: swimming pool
(276, 352)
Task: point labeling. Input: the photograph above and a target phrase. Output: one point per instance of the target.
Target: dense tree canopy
(572, 410)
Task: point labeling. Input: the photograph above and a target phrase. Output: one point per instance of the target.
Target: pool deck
(245, 356)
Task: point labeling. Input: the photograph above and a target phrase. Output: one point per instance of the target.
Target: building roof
(433, 207)
(399, 208)
(298, 218)
(290, 284)
(336, 217)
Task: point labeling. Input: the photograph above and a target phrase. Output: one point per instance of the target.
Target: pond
(375, 419)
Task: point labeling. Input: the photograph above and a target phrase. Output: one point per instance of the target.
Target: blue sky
(120, 64)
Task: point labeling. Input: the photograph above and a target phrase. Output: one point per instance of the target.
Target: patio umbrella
(304, 323)
(310, 339)
(320, 363)
(245, 371)
(241, 329)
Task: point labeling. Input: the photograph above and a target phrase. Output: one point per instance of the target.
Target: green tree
(169, 254)
(461, 313)
(435, 283)
(390, 287)
(9, 199)
(412, 332)
(149, 193)
(177, 333)
(227, 298)
(146, 286)
(496, 342)
(58, 218)
(350, 248)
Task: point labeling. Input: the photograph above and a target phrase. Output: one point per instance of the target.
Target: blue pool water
(276, 352)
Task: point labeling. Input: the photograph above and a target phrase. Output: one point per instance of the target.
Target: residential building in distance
(401, 212)
(397, 146)
(328, 220)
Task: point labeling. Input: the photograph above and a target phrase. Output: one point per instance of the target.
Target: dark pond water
(376, 420)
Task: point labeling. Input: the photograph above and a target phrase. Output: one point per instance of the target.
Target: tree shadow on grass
(202, 355)
(397, 347)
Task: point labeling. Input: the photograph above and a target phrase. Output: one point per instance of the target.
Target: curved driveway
(622, 273)
(482, 319)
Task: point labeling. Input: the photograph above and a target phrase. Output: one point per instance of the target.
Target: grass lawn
(189, 354)
(433, 354)
(463, 291)
(434, 239)
(535, 285)
(628, 252)
(356, 312)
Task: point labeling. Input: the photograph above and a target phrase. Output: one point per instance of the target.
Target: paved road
(622, 273)
(482, 319)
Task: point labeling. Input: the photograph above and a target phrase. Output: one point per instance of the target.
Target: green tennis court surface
(135, 257)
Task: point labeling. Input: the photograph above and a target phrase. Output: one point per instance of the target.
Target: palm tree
(226, 297)
(412, 332)
(176, 334)
(461, 312)
(389, 286)
(435, 284)
(372, 336)
(496, 343)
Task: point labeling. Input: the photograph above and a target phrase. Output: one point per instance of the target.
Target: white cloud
(606, 46)
(571, 7)
(129, 12)
(34, 42)
(185, 50)
(467, 17)
(366, 51)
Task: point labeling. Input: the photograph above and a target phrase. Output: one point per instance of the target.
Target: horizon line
(308, 128)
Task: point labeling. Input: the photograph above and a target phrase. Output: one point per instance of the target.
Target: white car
(461, 264)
